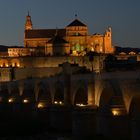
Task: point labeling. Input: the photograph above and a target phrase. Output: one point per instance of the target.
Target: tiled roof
(44, 33)
(57, 40)
(76, 22)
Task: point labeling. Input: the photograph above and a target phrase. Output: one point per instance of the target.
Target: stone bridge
(119, 91)
(61, 89)
(114, 98)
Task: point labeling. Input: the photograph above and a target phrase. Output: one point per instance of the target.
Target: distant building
(18, 51)
(71, 40)
(40, 56)
(22, 51)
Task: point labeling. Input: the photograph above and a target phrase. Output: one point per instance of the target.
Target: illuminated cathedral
(46, 49)
(71, 40)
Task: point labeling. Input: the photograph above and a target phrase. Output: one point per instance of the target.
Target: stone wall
(25, 67)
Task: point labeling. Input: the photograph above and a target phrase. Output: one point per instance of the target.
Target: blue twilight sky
(122, 15)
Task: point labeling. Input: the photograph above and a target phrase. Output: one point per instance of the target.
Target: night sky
(122, 15)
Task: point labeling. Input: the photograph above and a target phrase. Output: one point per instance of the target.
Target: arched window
(44, 94)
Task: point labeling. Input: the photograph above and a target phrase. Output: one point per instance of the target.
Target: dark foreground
(54, 123)
(26, 129)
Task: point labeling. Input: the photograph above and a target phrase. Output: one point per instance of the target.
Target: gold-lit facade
(74, 39)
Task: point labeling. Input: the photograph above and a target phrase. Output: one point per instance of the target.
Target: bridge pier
(60, 118)
(67, 90)
(91, 94)
(135, 128)
(84, 123)
(114, 127)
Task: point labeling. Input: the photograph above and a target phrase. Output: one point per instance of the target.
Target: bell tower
(28, 23)
(108, 41)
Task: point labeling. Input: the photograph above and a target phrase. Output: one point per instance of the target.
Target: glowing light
(18, 65)
(7, 65)
(11, 100)
(115, 112)
(55, 102)
(41, 105)
(25, 101)
(92, 49)
(74, 52)
(58, 102)
(80, 105)
(13, 65)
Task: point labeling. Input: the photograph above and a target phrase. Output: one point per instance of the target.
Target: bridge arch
(106, 94)
(59, 92)
(4, 93)
(15, 62)
(4, 63)
(134, 109)
(14, 95)
(44, 94)
(80, 94)
(28, 94)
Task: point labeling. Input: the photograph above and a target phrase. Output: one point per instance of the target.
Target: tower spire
(28, 13)
(76, 16)
(28, 23)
